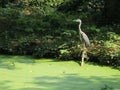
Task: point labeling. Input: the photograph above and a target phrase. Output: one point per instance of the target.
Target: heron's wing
(85, 39)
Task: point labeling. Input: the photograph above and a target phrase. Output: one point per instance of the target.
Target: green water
(26, 73)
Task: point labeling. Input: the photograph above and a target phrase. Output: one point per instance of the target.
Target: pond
(27, 73)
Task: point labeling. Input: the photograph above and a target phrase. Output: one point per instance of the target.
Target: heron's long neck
(80, 28)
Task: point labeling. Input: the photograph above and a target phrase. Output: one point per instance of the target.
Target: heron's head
(77, 20)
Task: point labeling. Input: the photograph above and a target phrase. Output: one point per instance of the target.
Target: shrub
(48, 47)
(107, 52)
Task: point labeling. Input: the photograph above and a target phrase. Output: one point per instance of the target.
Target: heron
(85, 40)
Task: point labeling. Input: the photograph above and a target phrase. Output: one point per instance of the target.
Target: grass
(27, 73)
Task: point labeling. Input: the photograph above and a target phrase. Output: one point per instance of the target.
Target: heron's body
(85, 39)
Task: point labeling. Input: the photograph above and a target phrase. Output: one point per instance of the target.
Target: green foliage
(107, 52)
(45, 28)
(33, 32)
(91, 9)
(70, 5)
(110, 54)
(47, 47)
